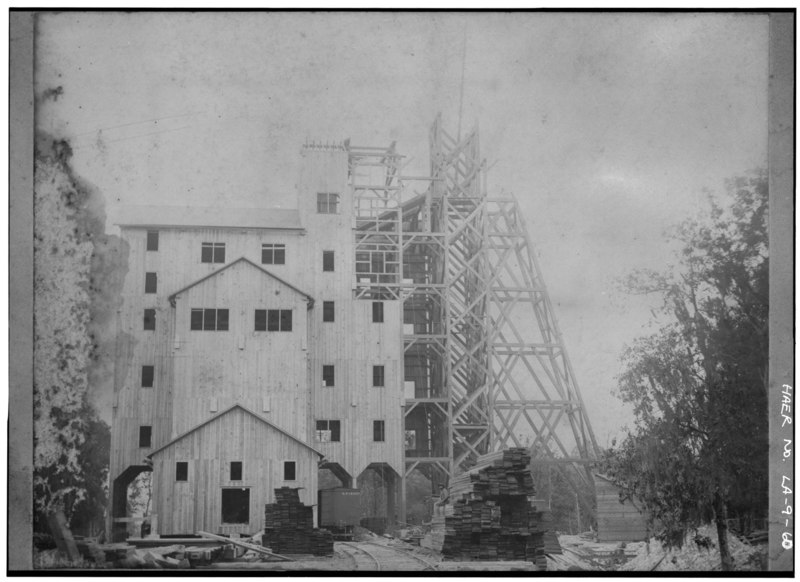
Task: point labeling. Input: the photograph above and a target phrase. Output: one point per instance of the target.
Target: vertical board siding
(617, 522)
(233, 436)
(200, 371)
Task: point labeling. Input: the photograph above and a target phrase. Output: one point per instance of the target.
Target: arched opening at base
(379, 485)
(130, 503)
(332, 475)
(423, 491)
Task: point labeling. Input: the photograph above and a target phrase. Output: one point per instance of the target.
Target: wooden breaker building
(364, 336)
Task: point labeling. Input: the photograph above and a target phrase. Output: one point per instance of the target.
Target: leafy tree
(698, 385)
(78, 270)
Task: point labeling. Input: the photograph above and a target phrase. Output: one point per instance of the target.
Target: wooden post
(63, 536)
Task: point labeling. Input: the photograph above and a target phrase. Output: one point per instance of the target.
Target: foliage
(74, 262)
(62, 345)
(571, 512)
(698, 385)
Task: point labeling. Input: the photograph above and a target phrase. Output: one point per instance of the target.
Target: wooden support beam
(235, 542)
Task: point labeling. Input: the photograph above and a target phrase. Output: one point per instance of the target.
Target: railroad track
(380, 557)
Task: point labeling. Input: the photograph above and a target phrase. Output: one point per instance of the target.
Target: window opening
(236, 505)
(327, 203)
(273, 320)
(209, 319)
(152, 240)
(328, 431)
(327, 311)
(377, 311)
(289, 470)
(212, 252)
(378, 431)
(328, 375)
(150, 282)
(273, 254)
(181, 471)
(377, 375)
(236, 470)
(327, 260)
(148, 374)
(145, 436)
(149, 319)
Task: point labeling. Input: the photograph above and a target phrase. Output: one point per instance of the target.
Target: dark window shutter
(145, 436)
(150, 282)
(148, 373)
(219, 253)
(273, 320)
(197, 319)
(206, 253)
(286, 320)
(261, 320)
(222, 319)
(150, 319)
(152, 240)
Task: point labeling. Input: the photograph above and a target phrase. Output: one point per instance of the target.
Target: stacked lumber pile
(492, 517)
(289, 527)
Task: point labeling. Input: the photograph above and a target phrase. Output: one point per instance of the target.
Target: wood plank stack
(289, 527)
(492, 517)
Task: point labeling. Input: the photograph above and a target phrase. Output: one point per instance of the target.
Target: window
(148, 373)
(377, 375)
(209, 320)
(236, 470)
(273, 254)
(377, 311)
(286, 320)
(378, 431)
(273, 320)
(327, 260)
(150, 282)
(327, 311)
(152, 240)
(327, 203)
(327, 375)
(328, 431)
(150, 319)
(181, 471)
(212, 253)
(236, 505)
(261, 320)
(289, 470)
(145, 436)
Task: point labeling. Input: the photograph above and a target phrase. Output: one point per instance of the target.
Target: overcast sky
(607, 127)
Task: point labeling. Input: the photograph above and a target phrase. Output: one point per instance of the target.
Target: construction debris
(289, 526)
(253, 547)
(490, 517)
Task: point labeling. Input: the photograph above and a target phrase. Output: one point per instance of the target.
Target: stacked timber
(289, 527)
(491, 516)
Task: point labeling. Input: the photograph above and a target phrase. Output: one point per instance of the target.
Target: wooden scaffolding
(485, 366)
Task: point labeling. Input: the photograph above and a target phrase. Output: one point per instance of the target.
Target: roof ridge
(220, 414)
(172, 297)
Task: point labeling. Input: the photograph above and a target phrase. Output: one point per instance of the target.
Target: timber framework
(345, 345)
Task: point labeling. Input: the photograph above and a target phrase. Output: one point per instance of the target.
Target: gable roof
(308, 297)
(223, 413)
(207, 217)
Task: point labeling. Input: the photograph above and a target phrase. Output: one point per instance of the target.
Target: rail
(384, 557)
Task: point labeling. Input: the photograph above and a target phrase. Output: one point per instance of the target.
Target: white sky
(607, 127)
